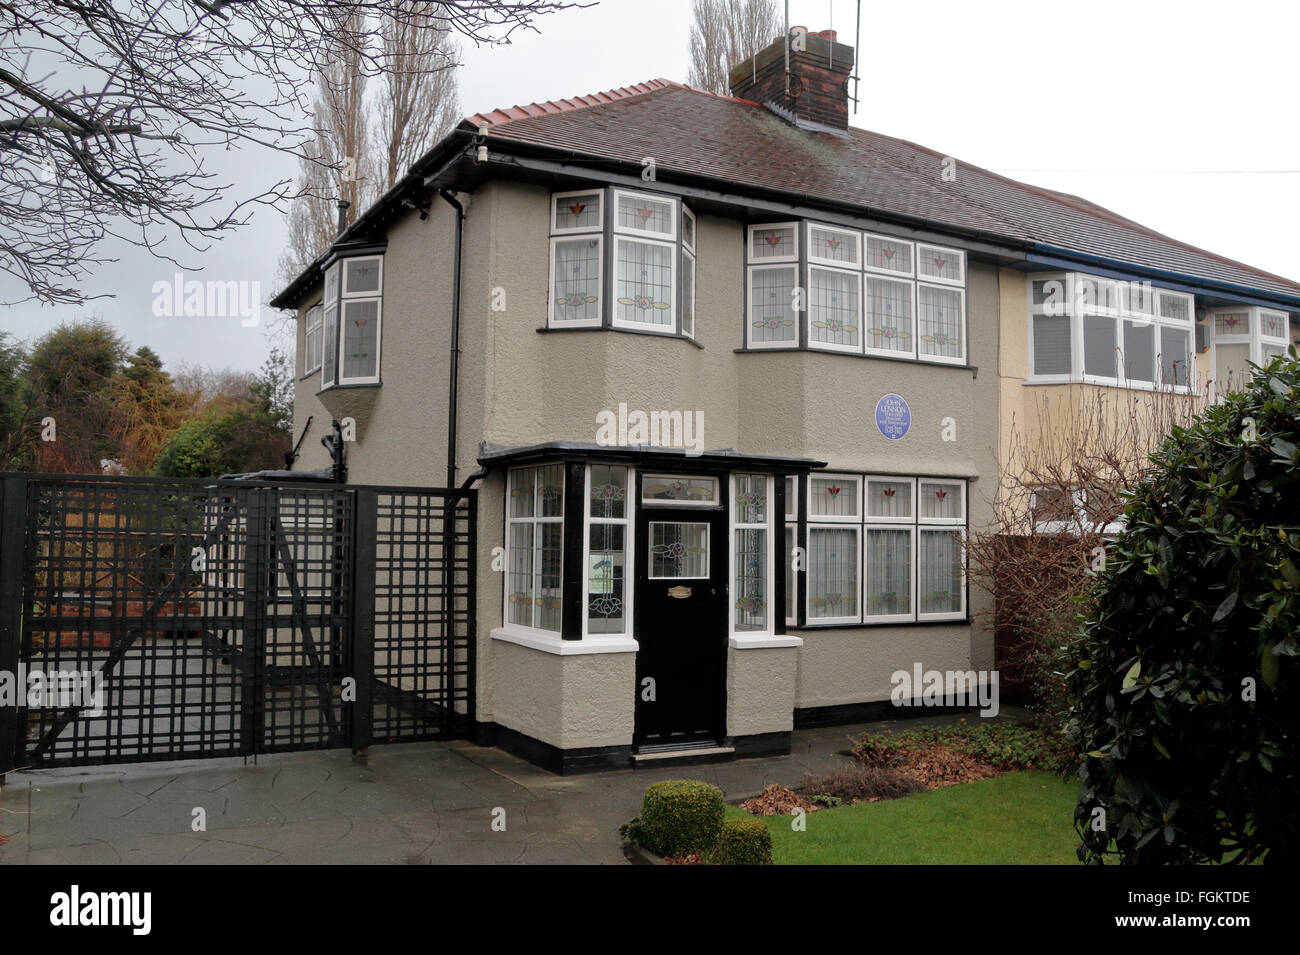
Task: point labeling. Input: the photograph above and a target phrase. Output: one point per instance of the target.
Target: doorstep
(683, 756)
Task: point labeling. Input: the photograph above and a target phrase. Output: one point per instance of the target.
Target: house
(730, 377)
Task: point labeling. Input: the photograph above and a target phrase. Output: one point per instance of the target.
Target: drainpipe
(453, 373)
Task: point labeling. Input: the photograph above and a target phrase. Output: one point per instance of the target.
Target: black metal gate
(147, 619)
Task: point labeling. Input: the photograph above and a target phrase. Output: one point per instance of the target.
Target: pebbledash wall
(522, 387)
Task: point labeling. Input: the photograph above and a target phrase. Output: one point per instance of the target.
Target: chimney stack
(818, 90)
(343, 215)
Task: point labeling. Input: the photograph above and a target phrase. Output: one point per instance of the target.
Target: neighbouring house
(730, 377)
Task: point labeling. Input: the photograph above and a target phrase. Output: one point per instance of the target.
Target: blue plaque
(893, 417)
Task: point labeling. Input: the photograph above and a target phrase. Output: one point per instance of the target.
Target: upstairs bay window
(351, 323)
(312, 340)
(1085, 328)
(621, 259)
(860, 293)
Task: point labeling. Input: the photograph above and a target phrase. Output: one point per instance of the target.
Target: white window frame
(877, 270)
(709, 544)
(857, 237)
(1118, 312)
(675, 319)
(673, 202)
(579, 230)
(911, 528)
(769, 525)
(536, 520)
(347, 297)
(753, 260)
(333, 280)
(901, 279)
(318, 326)
(695, 230)
(627, 521)
(937, 280)
(551, 320)
(690, 265)
(855, 518)
(750, 271)
(671, 502)
(826, 524)
(909, 518)
(808, 310)
(792, 528)
(1253, 337)
(959, 359)
(916, 576)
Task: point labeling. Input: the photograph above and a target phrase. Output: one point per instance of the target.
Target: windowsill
(547, 330)
(933, 363)
(763, 641)
(553, 643)
(1182, 391)
(370, 384)
(947, 622)
(314, 373)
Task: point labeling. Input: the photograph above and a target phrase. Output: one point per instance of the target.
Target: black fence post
(257, 568)
(471, 617)
(13, 570)
(365, 526)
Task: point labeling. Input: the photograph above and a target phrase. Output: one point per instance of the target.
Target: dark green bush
(1185, 714)
(744, 842)
(681, 816)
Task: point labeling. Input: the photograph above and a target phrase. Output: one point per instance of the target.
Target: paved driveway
(407, 803)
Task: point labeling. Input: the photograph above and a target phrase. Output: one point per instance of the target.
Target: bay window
(1085, 328)
(861, 293)
(535, 547)
(621, 259)
(608, 530)
(751, 553)
(311, 351)
(352, 321)
(1241, 335)
(895, 541)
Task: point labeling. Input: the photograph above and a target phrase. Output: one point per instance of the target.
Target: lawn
(1017, 818)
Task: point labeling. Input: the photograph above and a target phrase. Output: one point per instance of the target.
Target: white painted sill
(763, 641)
(552, 643)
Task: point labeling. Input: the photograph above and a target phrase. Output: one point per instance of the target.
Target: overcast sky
(1180, 115)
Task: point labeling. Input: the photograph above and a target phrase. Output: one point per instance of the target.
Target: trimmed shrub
(1186, 714)
(680, 817)
(744, 842)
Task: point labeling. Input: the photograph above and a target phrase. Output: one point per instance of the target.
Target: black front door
(681, 625)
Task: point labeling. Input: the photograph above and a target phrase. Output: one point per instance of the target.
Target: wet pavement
(415, 803)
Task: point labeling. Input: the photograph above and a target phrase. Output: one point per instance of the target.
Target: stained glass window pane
(833, 245)
(751, 499)
(1230, 369)
(361, 276)
(888, 314)
(668, 487)
(688, 294)
(1099, 355)
(1272, 324)
(360, 339)
(751, 579)
(577, 212)
(550, 491)
(771, 305)
(940, 500)
(791, 499)
(550, 580)
(832, 572)
(523, 492)
(688, 228)
(312, 345)
(332, 282)
(608, 491)
(889, 498)
(1269, 352)
(939, 584)
(607, 579)
(1176, 356)
(577, 280)
(791, 576)
(833, 307)
(520, 587)
(888, 572)
(771, 242)
(938, 263)
(1139, 352)
(895, 255)
(1139, 297)
(679, 551)
(1173, 306)
(1052, 345)
(645, 214)
(834, 497)
(331, 345)
(939, 313)
(645, 283)
(1232, 323)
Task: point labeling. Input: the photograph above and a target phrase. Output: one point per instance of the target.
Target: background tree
(726, 32)
(147, 410)
(17, 431)
(1186, 717)
(109, 111)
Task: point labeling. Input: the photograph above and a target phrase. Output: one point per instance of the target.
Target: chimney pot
(828, 35)
(343, 215)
